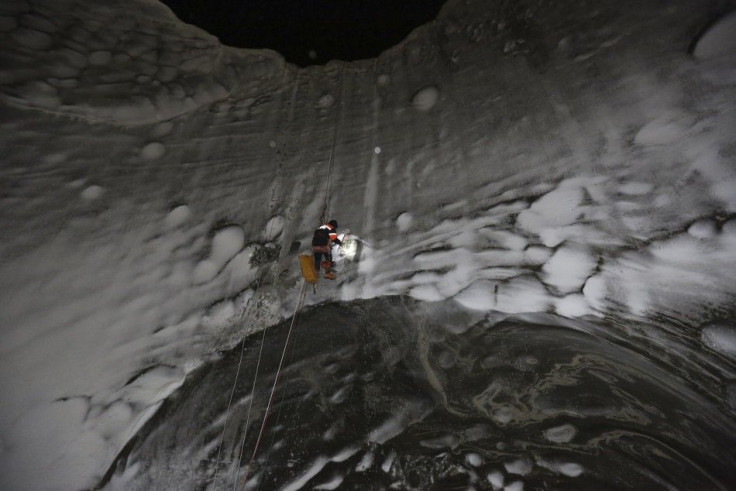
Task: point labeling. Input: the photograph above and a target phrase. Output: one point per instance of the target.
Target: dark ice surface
(397, 394)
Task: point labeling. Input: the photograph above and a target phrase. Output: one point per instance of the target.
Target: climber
(322, 242)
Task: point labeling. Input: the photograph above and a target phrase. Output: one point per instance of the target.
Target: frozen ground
(157, 186)
(391, 393)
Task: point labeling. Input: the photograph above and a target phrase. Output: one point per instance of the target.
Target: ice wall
(156, 187)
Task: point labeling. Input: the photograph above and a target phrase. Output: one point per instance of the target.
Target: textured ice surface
(424, 401)
(157, 187)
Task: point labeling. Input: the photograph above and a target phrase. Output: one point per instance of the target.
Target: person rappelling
(324, 237)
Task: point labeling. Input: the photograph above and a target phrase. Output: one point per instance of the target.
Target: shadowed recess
(309, 32)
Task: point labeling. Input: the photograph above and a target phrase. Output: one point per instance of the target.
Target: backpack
(321, 237)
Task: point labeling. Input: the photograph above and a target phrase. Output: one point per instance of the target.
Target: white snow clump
(425, 98)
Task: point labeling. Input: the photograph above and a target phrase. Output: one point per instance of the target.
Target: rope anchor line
(299, 305)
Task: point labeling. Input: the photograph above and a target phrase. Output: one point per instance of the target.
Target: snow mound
(92, 193)
(720, 337)
(496, 479)
(719, 40)
(703, 229)
(425, 98)
(478, 296)
(636, 188)
(519, 467)
(570, 469)
(514, 486)
(404, 221)
(556, 208)
(177, 217)
(568, 268)
(660, 131)
(226, 243)
(572, 306)
(560, 434)
(274, 227)
(153, 151)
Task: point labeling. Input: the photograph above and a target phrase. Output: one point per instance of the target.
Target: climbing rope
(235, 385)
(237, 374)
(328, 188)
(241, 447)
(299, 305)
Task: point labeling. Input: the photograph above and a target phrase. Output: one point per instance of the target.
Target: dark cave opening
(309, 32)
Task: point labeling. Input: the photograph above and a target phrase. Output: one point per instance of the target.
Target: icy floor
(156, 188)
(395, 394)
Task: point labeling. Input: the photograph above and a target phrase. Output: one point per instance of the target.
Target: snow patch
(327, 100)
(153, 151)
(480, 295)
(226, 243)
(474, 459)
(635, 188)
(556, 208)
(496, 479)
(569, 469)
(572, 306)
(274, 227)
(506, 239)
(729, 229)
(537, 255)
(725, 190)
(719, 40)
(388, 461)
(427, 293)
(514, 486)
(312, 469)
(425, 98)
(365, 463)
(568, 268)
(219, 314)
(177, 217)
(522, 294)
(660, 131)
(205, 271)
(333, 483)
(560, 434)
(520, 467)
(92, 193)
(703, 229)
(720, 337)
(404, 221)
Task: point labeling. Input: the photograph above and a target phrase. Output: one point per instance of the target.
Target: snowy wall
(156, 187)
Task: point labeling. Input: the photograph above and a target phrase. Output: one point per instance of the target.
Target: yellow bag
(307, 264)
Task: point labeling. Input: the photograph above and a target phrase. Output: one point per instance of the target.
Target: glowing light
(349, 247)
